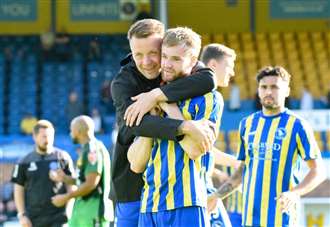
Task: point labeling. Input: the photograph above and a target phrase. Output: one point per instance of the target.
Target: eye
(154, 53)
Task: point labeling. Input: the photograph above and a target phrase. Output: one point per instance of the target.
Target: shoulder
(125, 78)
(299, 121)
(213, 96)
(250, 118)
(62, 153)
(30, 157)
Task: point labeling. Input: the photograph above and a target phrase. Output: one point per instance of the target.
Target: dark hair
(145, 28)
(42, 124)
(278, 71)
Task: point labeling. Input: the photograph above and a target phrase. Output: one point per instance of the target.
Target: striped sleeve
(306, 143)
(209, 107)
(240, 145)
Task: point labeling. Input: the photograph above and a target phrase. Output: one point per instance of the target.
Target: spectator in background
(97, 119)
(306, 102)
(27, 124)
(234, 97)
(105, 92)
(94, 51)
(62, 47)
(33, 188)
(74, 108)
(47, 42)
(106, 98)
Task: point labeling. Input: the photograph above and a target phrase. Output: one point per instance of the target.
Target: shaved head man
(92, 206)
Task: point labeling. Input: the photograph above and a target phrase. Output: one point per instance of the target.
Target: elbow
(133, 166)
(321, 171)
(136, 168)
(321, 174)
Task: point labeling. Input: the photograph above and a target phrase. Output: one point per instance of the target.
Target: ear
(212, 64)
(194, 60)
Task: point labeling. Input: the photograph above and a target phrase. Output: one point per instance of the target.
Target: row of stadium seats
(227, 141)
(306, 55)
(30, 84)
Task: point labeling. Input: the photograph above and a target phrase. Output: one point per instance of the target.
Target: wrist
(21, 214)
(70, 195)
(158, 95)
(185, 127)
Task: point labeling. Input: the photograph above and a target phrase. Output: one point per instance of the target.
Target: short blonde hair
(42, 124)
(145, 28)
(183, 36)
(216, 51)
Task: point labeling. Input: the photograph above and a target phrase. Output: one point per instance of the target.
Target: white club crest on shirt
(280, 133)
(92, 157)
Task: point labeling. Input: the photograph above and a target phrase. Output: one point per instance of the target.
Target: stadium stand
(41, 87)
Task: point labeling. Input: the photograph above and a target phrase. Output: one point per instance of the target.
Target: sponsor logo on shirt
(264, 151)
(32, 167)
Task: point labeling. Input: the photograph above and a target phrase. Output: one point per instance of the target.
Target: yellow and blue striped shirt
(172, 180)
(272, 148)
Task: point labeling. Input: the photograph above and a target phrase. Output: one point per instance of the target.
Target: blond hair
(183, 36)
(145, 28)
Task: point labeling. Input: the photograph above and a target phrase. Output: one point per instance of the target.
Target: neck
(272, 112)
(42, 152)
(86, 139)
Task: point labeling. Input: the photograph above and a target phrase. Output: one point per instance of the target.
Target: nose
(268, 91)
(167, 63)
(146, 60)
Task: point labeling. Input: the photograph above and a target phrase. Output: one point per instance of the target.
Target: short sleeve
(18, 175)
(306, 143)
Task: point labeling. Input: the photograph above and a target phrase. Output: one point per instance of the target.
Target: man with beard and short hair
(92, 206)
(272, 143)
(33, 188)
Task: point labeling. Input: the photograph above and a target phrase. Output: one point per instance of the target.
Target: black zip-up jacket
(127, 185)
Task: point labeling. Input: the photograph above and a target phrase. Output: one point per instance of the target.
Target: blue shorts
(235, 218)
(185, 216)
(127, 214)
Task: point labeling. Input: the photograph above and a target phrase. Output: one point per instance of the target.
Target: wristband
(21, 214)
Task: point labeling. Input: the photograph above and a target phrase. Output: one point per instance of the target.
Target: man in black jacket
(140, 73)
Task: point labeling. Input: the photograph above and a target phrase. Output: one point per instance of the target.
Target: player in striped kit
(174, 193)
(272, 143)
